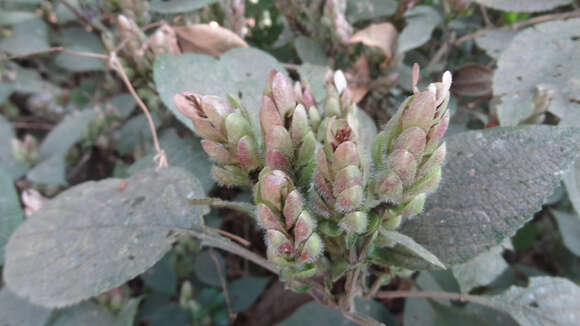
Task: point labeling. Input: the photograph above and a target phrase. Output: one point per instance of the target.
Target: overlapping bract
(407, 155)
(229, 138)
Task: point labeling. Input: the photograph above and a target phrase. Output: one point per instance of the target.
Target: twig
(442, 50)
(220, 243)
(361, 319)
(82, 19)
(523, 23)
(432, 294)
(291, 66)
(375, 286)
(486, 20)
(234, 237)
(160, 158)
(223, 282)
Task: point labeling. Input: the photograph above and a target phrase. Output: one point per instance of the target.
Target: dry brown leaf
(358, 76)
(164, 40)
(472, 79)
(208, 39)
(383, 36)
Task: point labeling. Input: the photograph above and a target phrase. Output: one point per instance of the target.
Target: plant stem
(433, 294)
(361, 319)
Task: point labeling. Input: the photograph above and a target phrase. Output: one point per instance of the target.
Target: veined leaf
(406, 252)
(19, 312)
(97, 235)
(493, 182)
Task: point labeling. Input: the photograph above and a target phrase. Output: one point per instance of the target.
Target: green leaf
(85, 314)
(310, 51)
(244, 291)
(178, 6)
(170, 314)
(50, 171)
(421, 21)
(123, 104)
(185, 153)
(314, 313)
(97, 235)
(161, 277)
(10, 211)
(554, 67)
(11, 166)
(314, 75)
(547, 301)
(19, 312)
(480, 270)
(357, 10)
(513, 109)
(77, 39)
(206, 269)
(66, 133)
(27, 36)
(406, 252)
(494, 41)
(127, 314)
(15, 17)
(134, 132)
(569, 225)
(524, 5)
(493, 182)
(241, 72)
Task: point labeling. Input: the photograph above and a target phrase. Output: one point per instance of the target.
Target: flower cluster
(310, 177)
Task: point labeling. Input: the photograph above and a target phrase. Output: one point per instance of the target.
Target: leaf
(524, 5)
(572, 182)
(472, 79)
(95, 236)
(49, 172)
(161, 277)
(314, 75)
(421, 21)
(15, 17)
(554, 67)
(185, 153)
(169, 314)
(310, 51)
(10, 165)
(206, 269)
(178, 6)
(480, 270)
(136, 131)
(244, 291)
(129, 311)
(362, 10)
(569, 225)
(85, 314)
(77, 39)
(123, 104)
(383, 36)
(27, 36)
(65, 134)
(493, 181)
(547, 301)
(495, 41)
(314, 313)
(207, 39)
(19, 312)
(358, 76)
(406, 252)
(10, 211)
(240, 72)
(513, 109)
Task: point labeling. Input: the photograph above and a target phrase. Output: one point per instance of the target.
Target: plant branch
(432, 294)
(361, 319)
(223, 283)
(226, 234)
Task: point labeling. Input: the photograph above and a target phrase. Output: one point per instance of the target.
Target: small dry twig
(232, 315)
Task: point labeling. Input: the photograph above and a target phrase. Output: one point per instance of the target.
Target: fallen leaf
(164, 40)
(358, 76)
(208, 39)
(383, 36)
(472, 79)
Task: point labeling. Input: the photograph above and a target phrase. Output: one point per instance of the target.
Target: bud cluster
(407, 155)
(228, 135)
(339, 102)
(338, 190)
(286, 127)
(290, 229)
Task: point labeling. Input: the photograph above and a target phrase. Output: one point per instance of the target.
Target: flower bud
(404, 165)
(268, 219)
(277, 240)
(311, 250)
(304, 227)
(420, 112)
(277, 257)
(414, 207)
(390, 187)
(306, 150)
(278, 138)
(345, 154)
(217, 152)
(424, 185)
(274, 187)
(276, 160)
(230, 175)
(248, 153)
(299, 125)
(350, 199)
(283, 94)
(433, 161)
(314, 116)
(237, 127)
(189, 104)
(412, 140)
(355, 222)
(292, 208)
(392, 223)
(346, 178)
(436, 132)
